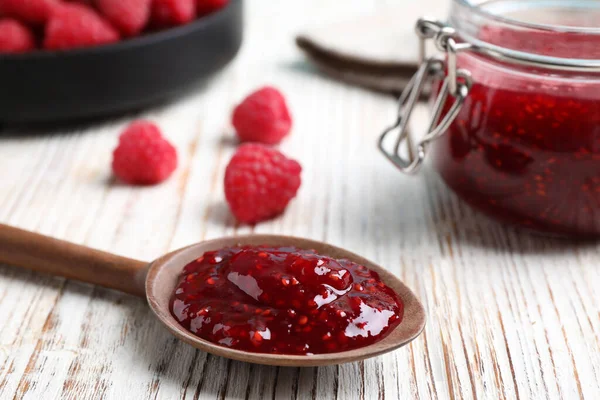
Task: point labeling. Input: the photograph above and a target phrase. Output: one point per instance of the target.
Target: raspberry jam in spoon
(284, 300)
(236, 277)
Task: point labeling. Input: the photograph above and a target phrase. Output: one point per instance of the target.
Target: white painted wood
(511, 316)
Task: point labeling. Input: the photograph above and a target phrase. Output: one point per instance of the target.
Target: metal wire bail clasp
(456, 84)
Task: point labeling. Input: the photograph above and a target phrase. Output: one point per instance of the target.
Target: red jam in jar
(284, 301)
(525, 147)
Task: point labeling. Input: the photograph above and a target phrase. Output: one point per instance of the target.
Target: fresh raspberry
(129, 16)
(143, 155)
(260, 182)
(34, 12)
(262, 117)
(76, 25)
(15, 37)
(172, 12)
(205, 7)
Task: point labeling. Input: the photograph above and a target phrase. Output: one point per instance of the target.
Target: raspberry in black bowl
(69, 60)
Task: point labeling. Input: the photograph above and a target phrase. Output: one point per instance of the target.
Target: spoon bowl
(157, 281)
(163, 276)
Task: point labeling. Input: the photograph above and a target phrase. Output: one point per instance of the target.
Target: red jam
(525, 148)
(284, 301)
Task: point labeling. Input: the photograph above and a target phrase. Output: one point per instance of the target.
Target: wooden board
(510, 316)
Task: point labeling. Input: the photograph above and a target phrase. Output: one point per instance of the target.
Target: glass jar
(516, 121)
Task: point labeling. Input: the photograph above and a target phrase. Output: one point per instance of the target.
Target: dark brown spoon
(156, 281)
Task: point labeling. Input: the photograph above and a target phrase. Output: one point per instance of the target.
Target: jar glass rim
(468, 14)
(482, 12)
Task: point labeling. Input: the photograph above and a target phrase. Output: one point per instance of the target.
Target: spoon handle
(57, 257)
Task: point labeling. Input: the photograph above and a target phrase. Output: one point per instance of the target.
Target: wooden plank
(511, 316)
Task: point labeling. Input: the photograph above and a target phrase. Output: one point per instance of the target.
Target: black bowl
(45, 86)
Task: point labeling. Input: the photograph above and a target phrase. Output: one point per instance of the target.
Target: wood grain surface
(510, 315)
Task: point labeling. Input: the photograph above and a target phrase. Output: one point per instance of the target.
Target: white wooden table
(510, 315)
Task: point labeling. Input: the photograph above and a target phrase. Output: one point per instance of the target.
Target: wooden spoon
(157, 280)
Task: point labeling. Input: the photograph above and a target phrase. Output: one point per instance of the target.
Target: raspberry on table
(172, 12)
(34, 12)
(205, 7)
(260, 182)
(262, 117)
(15, 37)
(76, 25)
(143, 155)
(128, 16)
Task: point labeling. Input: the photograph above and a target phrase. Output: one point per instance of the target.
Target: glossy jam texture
(284, 301)
(525, 148)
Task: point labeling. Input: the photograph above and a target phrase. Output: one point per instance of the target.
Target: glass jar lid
(551, 34)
